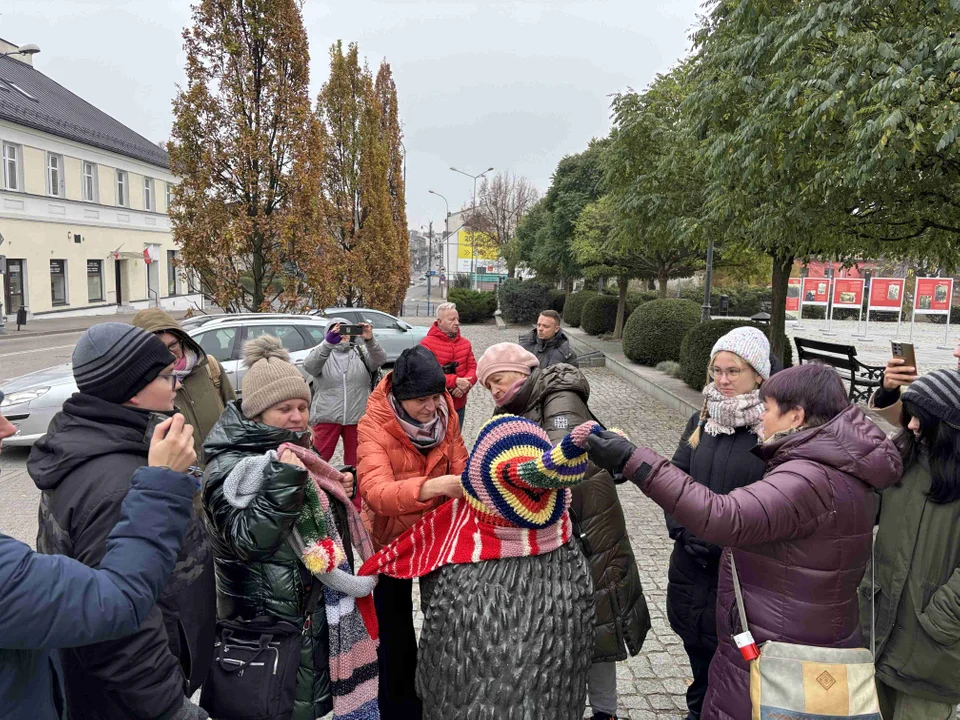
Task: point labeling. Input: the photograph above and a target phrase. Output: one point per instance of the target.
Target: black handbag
(254, 671)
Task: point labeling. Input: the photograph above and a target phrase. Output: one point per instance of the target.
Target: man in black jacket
(84, 465)
(549, 343)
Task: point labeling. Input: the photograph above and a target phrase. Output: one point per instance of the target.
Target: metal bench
(863, 379)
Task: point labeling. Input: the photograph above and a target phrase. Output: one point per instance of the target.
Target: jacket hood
(155, 320)
(341, 347)
(86, 428)
(380, 411)
(235, 433)
(556, 378)
(556, 340)
(436, 332)
(850, 443)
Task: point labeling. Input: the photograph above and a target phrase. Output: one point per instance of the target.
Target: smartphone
(152, 422)
(904, 350)
(351, 330)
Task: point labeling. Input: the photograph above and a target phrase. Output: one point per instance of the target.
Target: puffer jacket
(342, 374)
(392, 469)
(722, 463)
(203, 393)
(447, 350)
(83, 466)
(556, 399)
(917, 590)
(554, 351)
(801, 537)
(258, 571)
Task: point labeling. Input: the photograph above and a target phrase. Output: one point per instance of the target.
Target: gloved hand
(702, 552)
(189, 711)
(610, 451)
(333, 335)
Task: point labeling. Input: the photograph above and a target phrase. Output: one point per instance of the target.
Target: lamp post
(473, 260)
(707, 282)
(28, 49)
(446, 234)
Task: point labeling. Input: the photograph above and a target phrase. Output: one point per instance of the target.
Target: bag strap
(873, 598)
(739, 593)
(311, 607)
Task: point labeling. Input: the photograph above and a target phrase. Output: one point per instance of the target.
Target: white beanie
(747, 343)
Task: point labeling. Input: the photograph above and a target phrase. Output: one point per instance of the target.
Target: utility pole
(707, 281)
(429, 264)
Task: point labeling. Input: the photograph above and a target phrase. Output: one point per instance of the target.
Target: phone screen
(154, 420)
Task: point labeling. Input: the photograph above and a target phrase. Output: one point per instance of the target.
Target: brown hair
(815, 387)
(552, 314)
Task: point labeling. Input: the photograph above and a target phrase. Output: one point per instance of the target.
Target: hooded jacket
(258, 571)
(801, 537)
(556, 399)
(83, 466)
(203, 393)
(342, 375)
(550, 352)
(453, 349)
(50, 601)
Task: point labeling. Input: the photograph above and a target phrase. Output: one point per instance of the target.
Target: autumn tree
(249, 150)
(501, 203)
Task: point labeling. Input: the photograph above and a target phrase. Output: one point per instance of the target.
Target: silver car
(393, 334)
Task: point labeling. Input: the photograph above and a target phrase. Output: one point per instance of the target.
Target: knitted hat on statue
(516, 497)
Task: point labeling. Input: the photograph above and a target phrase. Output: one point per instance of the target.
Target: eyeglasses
(732, 373)
(174, 378)
(174, 347)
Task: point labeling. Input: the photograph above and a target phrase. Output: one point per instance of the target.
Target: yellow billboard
(486, 250)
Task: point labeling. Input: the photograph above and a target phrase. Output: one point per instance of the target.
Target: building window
(149, 202)
(90, 185)
(54, 175)
(58, 282)
(172, 272)
(123, 189)
(169, 195)
(11, 166)
(95, 280)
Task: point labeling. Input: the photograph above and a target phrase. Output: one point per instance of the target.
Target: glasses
(174, 379)
(174, 347)
(732, 373)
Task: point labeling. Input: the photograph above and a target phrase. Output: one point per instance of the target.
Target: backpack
(376, 375)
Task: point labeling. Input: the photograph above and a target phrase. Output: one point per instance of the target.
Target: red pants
(325, 439)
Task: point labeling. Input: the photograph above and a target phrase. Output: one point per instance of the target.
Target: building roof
(30, 98)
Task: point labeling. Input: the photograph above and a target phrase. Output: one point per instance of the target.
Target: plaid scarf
(726, 414)
(422, 435)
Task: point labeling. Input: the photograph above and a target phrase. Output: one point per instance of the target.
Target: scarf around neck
(511, 393)
(187, 362)
(422, 435)
(726, 414)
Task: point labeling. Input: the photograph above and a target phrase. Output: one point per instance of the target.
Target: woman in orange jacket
(411, 458)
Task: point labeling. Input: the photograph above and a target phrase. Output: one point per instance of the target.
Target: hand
(457, 392)
(702, 552)
(367, 331)
(172, 445)
(346, 479)
(463, 385)
(333, 335)
(897, 374)
(609, 451)
(289, 457)
(444, 485)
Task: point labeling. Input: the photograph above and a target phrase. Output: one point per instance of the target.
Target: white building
(83, 205)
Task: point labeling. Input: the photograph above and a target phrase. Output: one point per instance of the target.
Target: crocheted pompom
(263, 347)
(322, 556)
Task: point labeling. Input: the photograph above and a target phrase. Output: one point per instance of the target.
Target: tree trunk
(651, 284)
(782, 265)
(567, 286)
(623, 281)
(511, 270)
(663, 275)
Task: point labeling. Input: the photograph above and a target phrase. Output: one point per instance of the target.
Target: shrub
(522, 301)
(636, 299)
(669, 367)
(462, 281)
(574, 306)
(473, 305)
(655, 330)
(599, 314)
(558, 299)
(699, 341)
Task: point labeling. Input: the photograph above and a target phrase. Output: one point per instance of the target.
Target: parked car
(32, 400)
(395, 335)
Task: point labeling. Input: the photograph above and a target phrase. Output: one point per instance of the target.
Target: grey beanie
(114, 361)
(937, 393)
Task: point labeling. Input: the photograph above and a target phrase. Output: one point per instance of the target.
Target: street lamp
(28, 49)
(473, 260)
(446, 231)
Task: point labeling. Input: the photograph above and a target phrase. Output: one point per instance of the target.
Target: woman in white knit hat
(715, 450)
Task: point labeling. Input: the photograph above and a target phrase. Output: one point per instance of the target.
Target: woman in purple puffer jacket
(801, 536)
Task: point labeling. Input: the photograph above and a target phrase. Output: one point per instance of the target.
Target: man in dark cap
(83, 466)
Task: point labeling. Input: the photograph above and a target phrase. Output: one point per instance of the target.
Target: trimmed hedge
(523, 301)
(558, 299)
(473, 305)
(699, 341)
(574, 308)
(654, 331)
(599, 314)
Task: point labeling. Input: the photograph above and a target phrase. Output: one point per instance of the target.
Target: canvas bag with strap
(803, 681)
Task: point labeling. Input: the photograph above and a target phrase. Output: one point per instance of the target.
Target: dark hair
(940, 443)
(552, 314)
(815, 387)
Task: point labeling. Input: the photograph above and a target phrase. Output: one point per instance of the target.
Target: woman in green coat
(917, 585)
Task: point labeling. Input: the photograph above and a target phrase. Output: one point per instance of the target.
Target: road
(19, 356)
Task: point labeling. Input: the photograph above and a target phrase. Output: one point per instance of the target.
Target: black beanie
(114, 361)
(417, 374)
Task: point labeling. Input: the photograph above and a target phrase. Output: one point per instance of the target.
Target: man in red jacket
(455, 355)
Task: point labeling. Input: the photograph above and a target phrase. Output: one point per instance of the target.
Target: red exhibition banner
(793, 295)
(848, 292)
(886, 294)
(816, 291)
(933, 296)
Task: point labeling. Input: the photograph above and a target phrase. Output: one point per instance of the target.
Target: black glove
(610, 451)
(702, 552)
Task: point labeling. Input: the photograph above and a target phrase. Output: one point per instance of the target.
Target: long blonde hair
(694, 438)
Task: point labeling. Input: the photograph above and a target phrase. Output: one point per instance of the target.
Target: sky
(512, 84)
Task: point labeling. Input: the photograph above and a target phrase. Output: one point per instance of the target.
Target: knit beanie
(417, 374)
(114, 361)
(271, 377)
(938, 393)
(505, 357)
(750, 344)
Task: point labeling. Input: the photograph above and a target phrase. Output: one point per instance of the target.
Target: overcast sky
(512, 84)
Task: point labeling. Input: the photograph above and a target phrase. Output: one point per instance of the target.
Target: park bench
(863, 379)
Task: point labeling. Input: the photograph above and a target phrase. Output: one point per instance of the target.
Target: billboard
(816, 291)
(934, 296)
(848, 292)
(886, 294)
(793, 295)
(486, 251)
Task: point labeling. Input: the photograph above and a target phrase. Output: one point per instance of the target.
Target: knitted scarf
(184, 366)
(515, 504)
(726, 414)
(423, 435)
